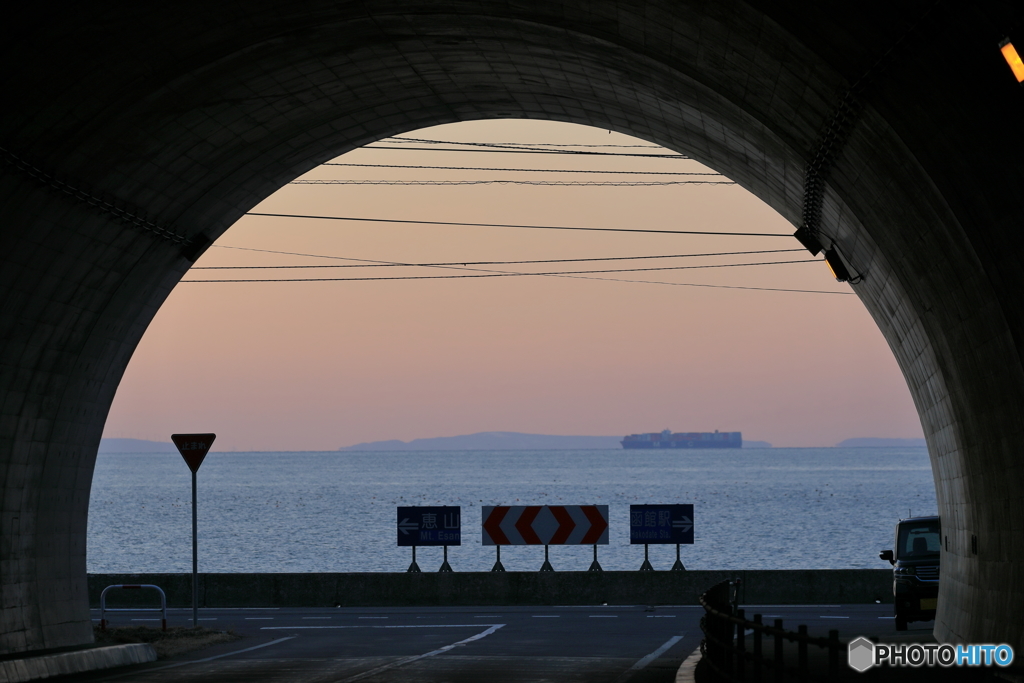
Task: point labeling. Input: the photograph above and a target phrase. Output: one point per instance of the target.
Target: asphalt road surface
(617, 644)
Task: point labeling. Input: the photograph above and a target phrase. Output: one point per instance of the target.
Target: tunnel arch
(140, 135)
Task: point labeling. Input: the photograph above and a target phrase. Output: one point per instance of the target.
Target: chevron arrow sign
(544, 524)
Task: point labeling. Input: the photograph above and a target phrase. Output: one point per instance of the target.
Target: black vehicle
(915, 563)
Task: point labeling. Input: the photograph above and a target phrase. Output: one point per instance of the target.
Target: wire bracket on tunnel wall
(834, 133)
(119, 210)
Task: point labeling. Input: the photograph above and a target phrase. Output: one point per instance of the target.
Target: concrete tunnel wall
(136, 134)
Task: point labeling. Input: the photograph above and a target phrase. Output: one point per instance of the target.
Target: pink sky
(317, 366)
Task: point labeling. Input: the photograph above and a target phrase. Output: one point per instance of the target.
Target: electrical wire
(507, 150)
(562, 183)
(515, 145)
(510, 225)
(524, 170)
(571, 277)
(368, 263)
(507, 274)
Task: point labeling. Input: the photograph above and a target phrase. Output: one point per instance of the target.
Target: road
(616, 644)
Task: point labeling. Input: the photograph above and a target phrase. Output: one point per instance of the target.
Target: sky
(322, 365)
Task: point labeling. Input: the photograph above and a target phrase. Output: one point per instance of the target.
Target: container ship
(668, 439)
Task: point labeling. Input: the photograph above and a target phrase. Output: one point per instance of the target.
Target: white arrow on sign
(405, 526)
(684, 524)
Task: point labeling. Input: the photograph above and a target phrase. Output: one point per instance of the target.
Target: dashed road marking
(408, 660)
(644, 661)
(382, 626)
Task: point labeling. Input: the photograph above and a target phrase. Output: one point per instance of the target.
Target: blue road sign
(660, 524)
(437, 525)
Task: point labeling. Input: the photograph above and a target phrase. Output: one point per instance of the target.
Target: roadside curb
(685, 674)
(64, 663)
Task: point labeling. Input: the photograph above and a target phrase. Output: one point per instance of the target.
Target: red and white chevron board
(544, 524)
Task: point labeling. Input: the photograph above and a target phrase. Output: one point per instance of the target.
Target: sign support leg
(414, 568)
(678, 566)
(546, 567)
(497, 565)
(646, 566)
(594, 566)
(445, 567)
(195, 558)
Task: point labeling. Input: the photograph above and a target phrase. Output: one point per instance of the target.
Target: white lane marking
(307, 628)
(833, 617)
(208, 619)
(750, 607)
(644, 661)
(878, 617)
(200, 661)
(322, 617)
(664, 616)
(604, 616)
(409, 660)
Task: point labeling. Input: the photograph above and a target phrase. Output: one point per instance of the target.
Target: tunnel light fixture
(836, 265)
(1012, 58)
(808, 239)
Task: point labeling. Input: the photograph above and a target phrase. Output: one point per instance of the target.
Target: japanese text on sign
(439, 525)
(660, 524)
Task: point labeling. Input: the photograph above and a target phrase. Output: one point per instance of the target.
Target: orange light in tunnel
(1013, 59)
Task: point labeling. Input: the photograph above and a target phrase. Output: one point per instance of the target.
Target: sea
(773, 508)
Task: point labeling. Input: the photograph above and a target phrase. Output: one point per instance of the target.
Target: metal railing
(162, 608)
(724, 647)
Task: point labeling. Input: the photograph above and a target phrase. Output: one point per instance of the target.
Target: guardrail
(162, 608)
(724, 647)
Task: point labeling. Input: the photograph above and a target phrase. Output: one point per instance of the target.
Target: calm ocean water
(776, 508)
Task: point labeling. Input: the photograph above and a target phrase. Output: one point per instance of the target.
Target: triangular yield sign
(193, 447)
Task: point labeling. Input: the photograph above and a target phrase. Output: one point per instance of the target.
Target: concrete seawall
(767, 587)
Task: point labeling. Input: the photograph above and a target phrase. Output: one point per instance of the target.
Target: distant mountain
(135, 446)
(492, 441)
(505, 441)
(882, 443)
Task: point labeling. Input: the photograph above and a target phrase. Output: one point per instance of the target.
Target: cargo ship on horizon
(669, 439)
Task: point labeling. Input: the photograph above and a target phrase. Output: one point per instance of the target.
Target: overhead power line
(368, 263)
(512, 225)
(507, 150)
(514, 145)
(562, 183)
(572, 277)
(506, 274)
(526, 170)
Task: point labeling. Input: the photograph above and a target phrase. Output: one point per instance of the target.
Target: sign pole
(678, 566)
(594, 566)
(646, 566)
(498, 567)
(195, 558)
(546, 567)
(193, 448)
